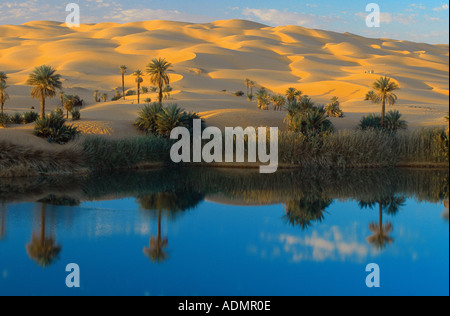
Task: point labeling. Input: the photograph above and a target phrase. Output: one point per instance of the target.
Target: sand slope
(210, 58)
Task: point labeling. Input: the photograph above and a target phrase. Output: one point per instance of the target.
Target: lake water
(201, 232)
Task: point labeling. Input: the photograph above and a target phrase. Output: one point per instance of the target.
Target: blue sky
(421, 21)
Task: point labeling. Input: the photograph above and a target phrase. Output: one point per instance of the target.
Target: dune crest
(213, 57)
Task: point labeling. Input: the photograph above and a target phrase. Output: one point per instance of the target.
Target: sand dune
(213, 57)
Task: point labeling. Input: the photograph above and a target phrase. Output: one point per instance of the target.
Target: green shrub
(30, 117)
(239, 93)
(158, 120)
(59, 111)
(16, 118)
(53, 128)
(76, 115)
(392, 122)
(4, 120)
(130, 92)
(310, 121)
(333, 109)
(147, 117)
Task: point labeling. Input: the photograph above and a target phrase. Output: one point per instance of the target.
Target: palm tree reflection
(170, 204)
(305, 211)
(43, 249)
(155, 251)
(380, 232)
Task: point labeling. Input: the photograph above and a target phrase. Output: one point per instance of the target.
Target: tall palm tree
(45, 82)
(158, 70)
(247, 84)
(138, 74)
(123, 70)
(383, 94)
(69, 104)
(43, 250)
(96, 98)
(3, 95)
(61, 97)
(292, 94)
(252, 84)
(3, 77)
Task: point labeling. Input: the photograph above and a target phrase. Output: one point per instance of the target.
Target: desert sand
(211, 62)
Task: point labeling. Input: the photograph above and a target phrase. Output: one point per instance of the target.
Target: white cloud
(275, 17)
(444, 7)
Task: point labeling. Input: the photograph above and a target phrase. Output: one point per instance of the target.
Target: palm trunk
(160, 97)
(42, 107)
(123, 86)
(383, 111)
(139, 88)
(2, 107)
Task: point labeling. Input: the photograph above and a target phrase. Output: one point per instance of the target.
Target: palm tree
(292, 94)
(61, 97)
(123, 70)
(3, 77)
(394, 121)
(104, 97)
(158, 70)
(138, 74)
(263, 98)
(69, 104)
(3, 95)
(96, 99)
(247, 84)
(252, 85)
(43, 250)
(167, 90)
(45, 82)
(384, 88)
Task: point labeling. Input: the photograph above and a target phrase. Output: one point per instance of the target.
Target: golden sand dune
(213, 57)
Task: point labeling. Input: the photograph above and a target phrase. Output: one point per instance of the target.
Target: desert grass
(27, 161)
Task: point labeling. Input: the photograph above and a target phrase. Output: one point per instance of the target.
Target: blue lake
(198, 233)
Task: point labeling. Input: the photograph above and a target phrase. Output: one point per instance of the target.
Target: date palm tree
(292, 94)
(69, 104)
(3, 95)
(3, 77)
(61, 97)
(383, 94)
(138, 74)
(104, 97)
(96, 98)
(45, 82)
(123, 70)
(158, 70)
(247, 84)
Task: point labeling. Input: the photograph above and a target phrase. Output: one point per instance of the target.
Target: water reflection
(43, 249)
(249, 224)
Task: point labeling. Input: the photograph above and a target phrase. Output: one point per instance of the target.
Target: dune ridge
(212, 57)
